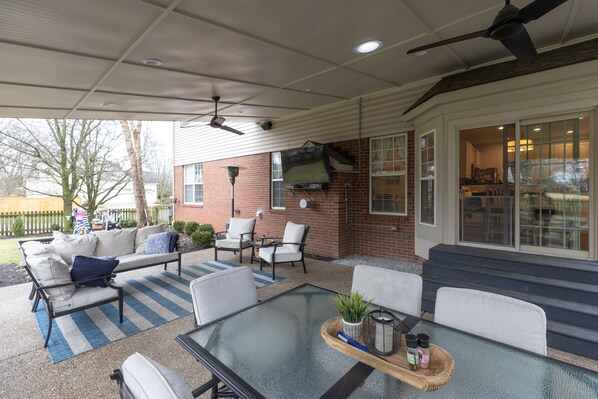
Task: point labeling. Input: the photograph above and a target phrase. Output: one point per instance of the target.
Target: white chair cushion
(497, 317)
(389, 288)
(231, 243)
(69, 245)
(84, 296)
(283, 254)
(48, 268)
(147, 379)
(115, 242)
(143, 233)
(132, 261)
(293, 233)
(219, 294)
(239, 226)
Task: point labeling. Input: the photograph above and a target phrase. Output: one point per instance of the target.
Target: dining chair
(493, 316)
(143, 378)
(220, 294)
(389, 288)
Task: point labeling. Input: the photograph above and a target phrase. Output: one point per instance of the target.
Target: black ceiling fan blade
(230, 129)
(481, 33)
(537, 9)
(521, 46)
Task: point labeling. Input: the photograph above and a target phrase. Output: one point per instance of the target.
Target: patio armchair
(238, 237)
(52, 283)
(391, 289)
(290, 249)
(493, 316)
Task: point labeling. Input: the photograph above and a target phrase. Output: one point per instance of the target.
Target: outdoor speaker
(267, 125)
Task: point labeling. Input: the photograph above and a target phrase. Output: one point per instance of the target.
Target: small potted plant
(353, 309)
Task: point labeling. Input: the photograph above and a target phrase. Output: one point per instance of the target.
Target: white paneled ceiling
(266, 59)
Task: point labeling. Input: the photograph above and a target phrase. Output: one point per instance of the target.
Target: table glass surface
(276, 348)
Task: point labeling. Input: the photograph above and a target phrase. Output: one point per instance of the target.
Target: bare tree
(103, 173)
(13, 174)
(132, 135)
(53, 151)
(160, 164)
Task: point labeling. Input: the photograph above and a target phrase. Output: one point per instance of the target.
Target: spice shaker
(412, 353)
(423, 346)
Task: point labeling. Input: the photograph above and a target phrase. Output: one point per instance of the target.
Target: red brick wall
(335, 229)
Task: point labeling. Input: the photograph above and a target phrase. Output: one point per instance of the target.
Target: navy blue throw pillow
(174, 237)
(85, 268)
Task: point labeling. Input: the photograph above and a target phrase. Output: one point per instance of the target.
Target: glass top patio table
(274, 350)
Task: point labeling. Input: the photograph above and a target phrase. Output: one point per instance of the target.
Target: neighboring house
(414, 170)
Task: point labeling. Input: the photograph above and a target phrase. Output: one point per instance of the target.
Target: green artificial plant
(352, 307)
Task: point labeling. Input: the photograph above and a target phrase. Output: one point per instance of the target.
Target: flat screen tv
(306, 165)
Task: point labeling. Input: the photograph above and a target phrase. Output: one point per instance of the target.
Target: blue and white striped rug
(148, 302)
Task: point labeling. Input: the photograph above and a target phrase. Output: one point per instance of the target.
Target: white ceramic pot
(353, 330)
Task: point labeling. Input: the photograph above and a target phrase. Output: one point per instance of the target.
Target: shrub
(201, 239)
(18, 227)
(54, 226)
(179, 226)
(128, 223)
(206, 227)
(191, 227)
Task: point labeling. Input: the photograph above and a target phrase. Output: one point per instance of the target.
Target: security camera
(266, 125)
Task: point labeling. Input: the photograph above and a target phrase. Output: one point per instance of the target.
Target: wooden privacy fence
(33, 222)
(41, 221)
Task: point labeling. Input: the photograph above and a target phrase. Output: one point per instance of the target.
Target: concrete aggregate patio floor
(27, 372)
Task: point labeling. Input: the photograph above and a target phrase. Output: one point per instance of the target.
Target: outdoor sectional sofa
(49, 264)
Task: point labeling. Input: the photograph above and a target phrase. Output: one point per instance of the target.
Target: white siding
(382, 113)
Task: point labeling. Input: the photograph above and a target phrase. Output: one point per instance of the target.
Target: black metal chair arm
(251, 233)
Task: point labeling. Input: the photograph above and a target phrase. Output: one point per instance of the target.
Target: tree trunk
(132, 134)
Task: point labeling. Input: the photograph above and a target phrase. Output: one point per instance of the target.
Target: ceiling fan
(509, 28)
(217, 121)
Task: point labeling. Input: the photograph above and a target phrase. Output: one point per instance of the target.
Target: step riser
(513, 285)
(532, 269)
(557, 314)
(572, 345)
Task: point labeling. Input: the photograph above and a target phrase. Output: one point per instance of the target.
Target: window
(388, 175)
(193, 184)
(426, 180)
(278, 192)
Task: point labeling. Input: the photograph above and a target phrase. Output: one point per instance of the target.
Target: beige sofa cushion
(115, 242)
(142, 234)
(48, 268)
(84, 296)
(69, 245)
(132, 261)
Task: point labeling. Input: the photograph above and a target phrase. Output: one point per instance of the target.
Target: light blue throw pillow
(157, 243)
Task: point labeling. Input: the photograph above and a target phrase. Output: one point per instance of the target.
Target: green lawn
(9, 250)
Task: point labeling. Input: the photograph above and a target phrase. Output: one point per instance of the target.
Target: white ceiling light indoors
(152, 62)
(368, 47)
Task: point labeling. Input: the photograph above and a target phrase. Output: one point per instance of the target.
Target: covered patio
(27, 372)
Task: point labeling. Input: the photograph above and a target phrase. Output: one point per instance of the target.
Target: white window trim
(272, 180)
(433, 133)
(192, 184)
(388, 174)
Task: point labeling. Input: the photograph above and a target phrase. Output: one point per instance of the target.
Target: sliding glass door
(554, 185)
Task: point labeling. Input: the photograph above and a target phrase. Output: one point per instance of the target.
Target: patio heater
(233, 172)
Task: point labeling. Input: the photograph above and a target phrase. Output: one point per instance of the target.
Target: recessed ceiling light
(569, 131)
(152, 62)
(368, 47)
(108, 104)
(536, 129)
(581, 117)
(501, 127)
